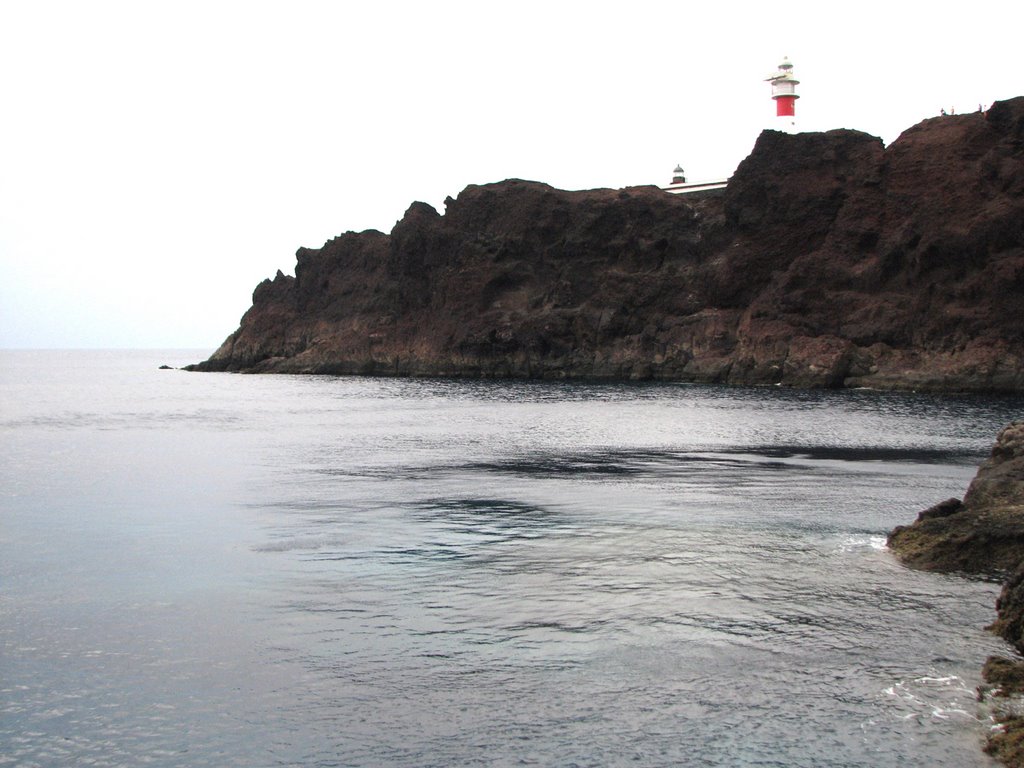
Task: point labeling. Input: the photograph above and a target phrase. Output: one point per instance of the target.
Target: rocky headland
(984, 534)
(828, 261)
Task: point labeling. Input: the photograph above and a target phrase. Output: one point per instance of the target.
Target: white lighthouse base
(786, 124)
(699, 186)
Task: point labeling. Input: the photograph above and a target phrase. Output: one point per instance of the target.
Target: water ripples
(224, 570)
(500, 601)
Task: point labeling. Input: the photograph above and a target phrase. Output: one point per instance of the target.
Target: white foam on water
(934, 697)
(861, 541)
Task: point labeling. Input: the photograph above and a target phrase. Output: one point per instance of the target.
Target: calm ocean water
(223, 570)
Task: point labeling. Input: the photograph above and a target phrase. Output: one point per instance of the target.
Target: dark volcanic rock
(983, 534)
(998, 492)
(1005, 683)
(829, 261)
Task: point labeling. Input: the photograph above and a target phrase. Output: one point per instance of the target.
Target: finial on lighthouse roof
(786, 63)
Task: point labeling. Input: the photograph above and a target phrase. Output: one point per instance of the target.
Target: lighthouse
(785, 95)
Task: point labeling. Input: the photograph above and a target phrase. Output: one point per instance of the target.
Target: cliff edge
(829, 261)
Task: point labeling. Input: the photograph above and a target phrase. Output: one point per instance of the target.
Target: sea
(210, 569)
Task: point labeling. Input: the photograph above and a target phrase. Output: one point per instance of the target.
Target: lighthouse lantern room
(784, 91)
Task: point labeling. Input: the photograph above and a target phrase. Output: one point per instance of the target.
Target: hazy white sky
(159, 159)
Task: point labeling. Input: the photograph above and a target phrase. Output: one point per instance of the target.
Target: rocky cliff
(829, 261)
(984, 534)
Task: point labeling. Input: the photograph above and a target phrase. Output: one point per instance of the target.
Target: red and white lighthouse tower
(785, 95)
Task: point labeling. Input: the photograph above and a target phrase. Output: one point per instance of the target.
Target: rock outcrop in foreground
(829, 261)
(984, 534)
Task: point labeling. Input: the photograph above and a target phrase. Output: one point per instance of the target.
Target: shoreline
(830, 261)
(983, 535)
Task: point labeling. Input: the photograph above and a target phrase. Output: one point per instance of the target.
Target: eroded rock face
(998, 491)
(983, 534)
(829, 261)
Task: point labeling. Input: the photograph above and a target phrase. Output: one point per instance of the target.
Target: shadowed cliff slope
(829, 261)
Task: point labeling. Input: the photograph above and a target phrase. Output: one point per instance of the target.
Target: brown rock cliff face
(829, 261)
